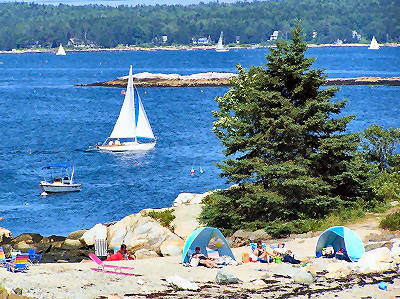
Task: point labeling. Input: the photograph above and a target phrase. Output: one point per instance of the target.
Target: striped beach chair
(3, 260)
(19, 264)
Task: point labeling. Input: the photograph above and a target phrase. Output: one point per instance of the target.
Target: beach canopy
(57, 165)
(341, 237)
(206, 238)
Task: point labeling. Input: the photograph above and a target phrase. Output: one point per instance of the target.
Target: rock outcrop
(212, 79)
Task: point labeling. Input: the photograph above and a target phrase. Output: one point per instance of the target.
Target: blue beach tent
(206, 237)
(341, 237)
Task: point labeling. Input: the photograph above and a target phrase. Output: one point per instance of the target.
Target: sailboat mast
(132, 93)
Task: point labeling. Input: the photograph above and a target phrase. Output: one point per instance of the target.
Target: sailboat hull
(128, 147)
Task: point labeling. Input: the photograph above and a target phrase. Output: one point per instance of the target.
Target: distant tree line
(324, 21)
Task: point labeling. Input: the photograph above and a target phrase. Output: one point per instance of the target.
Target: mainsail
(220, 45)
(132, 121)
(374, 44)
(61, 50)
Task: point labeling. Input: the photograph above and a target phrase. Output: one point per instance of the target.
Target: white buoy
(43, 193)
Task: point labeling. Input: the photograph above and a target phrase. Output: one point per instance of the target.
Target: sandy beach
(77, 280)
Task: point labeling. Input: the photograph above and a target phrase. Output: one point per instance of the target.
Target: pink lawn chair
(101, 267)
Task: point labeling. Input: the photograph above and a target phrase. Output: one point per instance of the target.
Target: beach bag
(194, 262)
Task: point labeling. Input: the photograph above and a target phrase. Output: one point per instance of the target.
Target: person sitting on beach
(203, 260)
(263, 254)
(121, 254)
(125, 253)
(282, 250)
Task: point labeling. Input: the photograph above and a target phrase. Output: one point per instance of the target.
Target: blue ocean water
(44, 119)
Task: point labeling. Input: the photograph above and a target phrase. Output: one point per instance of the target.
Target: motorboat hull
(128, 147)
(59, 187)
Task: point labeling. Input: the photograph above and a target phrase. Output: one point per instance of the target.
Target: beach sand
(77, 280)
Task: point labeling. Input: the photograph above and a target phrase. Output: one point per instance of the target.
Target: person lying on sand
(203, 260)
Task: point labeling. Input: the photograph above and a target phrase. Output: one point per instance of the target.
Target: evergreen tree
(290, 158)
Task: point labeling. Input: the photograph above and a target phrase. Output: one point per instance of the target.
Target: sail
(61, 50)
(143, 128)
(374, 44)
(125, 125)
(219, 45)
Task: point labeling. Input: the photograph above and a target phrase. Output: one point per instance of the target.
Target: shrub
(391, 221)
(165, 217)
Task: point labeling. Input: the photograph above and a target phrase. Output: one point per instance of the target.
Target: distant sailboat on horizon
(374, 44)
(220, 47)
(61, 51)
(132, 131)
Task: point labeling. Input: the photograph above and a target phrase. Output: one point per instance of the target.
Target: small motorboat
(61, 179)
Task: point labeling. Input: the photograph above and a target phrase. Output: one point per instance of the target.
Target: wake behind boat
(60, 182)
(132, 131)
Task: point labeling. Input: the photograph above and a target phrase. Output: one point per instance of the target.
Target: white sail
(61, 50)
(143, 128)
(220, 46)
(125, 125)
(374, 44)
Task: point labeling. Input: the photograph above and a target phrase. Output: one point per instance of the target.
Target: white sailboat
(132, 131)
(374, 44)
(61, 51)
(220, 47)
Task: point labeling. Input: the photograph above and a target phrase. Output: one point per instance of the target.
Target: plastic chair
(33, 256)
(102, 266)
(19, 264)
(3, 260)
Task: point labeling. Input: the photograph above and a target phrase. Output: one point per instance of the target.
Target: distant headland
(212, 79)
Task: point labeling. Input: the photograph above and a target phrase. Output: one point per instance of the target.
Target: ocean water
(45, 119)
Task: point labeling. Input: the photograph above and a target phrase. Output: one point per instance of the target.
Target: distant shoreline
(178, 48)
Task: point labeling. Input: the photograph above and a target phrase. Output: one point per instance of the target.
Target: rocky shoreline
(65, 271)
(212, 79)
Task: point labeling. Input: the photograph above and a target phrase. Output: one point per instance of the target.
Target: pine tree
(289, 156)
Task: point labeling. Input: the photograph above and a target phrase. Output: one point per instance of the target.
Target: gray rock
(224, 276)
(145, 254)
(70, 244)
(372, 246)
(77, 234)
(239, 238)
(182, 283)
(303, 277)
(259, 235)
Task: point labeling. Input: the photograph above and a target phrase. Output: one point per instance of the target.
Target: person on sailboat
(110, 143)
(117, 142)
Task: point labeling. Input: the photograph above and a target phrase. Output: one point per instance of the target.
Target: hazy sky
(122, 2)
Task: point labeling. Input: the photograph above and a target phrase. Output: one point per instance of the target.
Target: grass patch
(391, 221)
(165, 217)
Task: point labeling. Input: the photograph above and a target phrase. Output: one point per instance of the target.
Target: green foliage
(391, 221)
(290, 157)
(165, 217)
(379, 146)
(387, 186)
(22, 24)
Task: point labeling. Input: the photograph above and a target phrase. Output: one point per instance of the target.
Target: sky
(122, 2)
